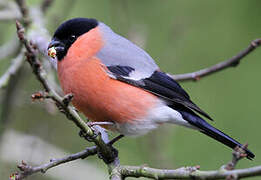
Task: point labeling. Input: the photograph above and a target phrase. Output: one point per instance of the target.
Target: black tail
(223, 138)
(209, 130)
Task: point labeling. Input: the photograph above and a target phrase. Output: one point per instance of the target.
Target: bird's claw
(89, 138)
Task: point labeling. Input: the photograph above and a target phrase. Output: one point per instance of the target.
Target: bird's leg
(96, 132)
(91, 124)
(97, 129)
(95, 126)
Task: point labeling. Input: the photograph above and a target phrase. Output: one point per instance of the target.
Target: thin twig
(234, 61)
(27, 170)
(186, 173)
(120, 172)
(238, 154)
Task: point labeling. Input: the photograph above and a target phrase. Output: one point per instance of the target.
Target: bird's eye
(72, 38)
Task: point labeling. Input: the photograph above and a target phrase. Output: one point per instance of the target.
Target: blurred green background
(182, 36)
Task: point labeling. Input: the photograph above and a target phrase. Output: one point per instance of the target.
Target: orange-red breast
(113, 80)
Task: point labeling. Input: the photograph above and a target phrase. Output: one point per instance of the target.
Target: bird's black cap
(75, 26)
(68, 32)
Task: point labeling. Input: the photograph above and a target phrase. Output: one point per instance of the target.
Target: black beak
(54, 43)
(59, 47)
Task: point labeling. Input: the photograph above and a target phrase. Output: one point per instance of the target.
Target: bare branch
(225, 172)
(27, 170)
(119, 172)
(233, 62)
(14, 67)
(187, 173)
(238, 154)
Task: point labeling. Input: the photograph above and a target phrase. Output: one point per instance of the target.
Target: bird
(117, 84)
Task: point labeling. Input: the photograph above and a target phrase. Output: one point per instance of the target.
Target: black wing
(165, 87)
(160, 84)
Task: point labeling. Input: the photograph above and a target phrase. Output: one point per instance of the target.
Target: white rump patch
(157, 115)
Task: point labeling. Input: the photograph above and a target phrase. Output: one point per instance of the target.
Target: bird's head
(67, 33)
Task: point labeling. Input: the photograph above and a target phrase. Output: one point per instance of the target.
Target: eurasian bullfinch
(115, 81)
